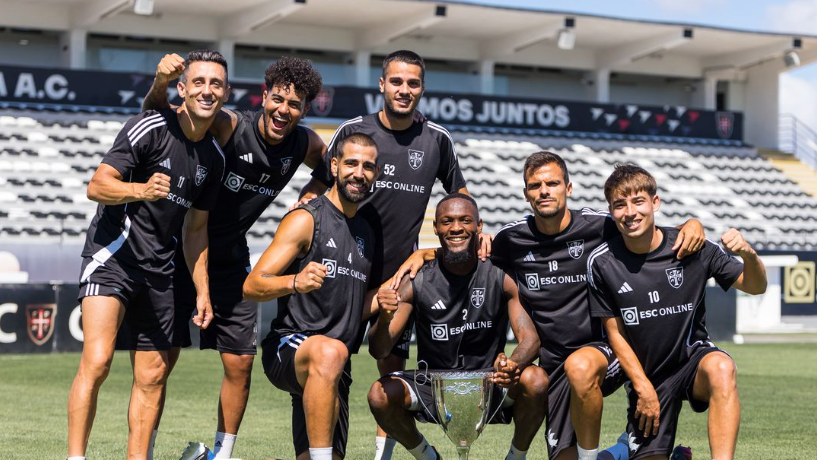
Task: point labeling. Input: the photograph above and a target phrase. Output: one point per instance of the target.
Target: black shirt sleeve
(720, 265)
(449, 173)
(132, 142)
(323, 171)
(601, 305)
(499, 251)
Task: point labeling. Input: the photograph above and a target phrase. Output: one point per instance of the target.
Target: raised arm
(395, 307)
(292, 240)
(196, 244)
(647, 409)
(753, 279)
(169, 68)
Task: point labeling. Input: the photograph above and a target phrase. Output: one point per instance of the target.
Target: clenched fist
(170, 68)
(734, 242)
(310, 278)
(157, 187)
(387, 299)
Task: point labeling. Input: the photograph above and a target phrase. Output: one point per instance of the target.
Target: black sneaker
(681, 453)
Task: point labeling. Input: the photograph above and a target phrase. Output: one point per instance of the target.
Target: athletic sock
(423, 451)
(383, 447)
(223, 447)
(516, 454)
(587, 454)
(618, 451)
(320, 453)
(152, 443)
(75, 458)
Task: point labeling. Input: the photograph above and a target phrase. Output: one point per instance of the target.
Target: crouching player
(657, 327)
(461, 308)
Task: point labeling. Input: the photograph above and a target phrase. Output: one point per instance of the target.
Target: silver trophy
(463, 401)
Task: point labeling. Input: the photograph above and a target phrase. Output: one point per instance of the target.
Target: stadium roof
(439, 30)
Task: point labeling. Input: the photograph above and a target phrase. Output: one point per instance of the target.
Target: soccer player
(318, 267)
(414, 154)
(162, 165)
(653, 308)
(547, 255)
(461, 307)
(263, 150)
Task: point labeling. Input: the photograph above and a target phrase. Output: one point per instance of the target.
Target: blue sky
(798, 87)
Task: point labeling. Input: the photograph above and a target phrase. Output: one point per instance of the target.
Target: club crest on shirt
(285, 163)
(415, 158)
(477, 297)
(675, 276)
(201, 174)
(361, 247)
(575, 248)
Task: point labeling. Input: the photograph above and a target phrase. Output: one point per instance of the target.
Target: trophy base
(462, 452)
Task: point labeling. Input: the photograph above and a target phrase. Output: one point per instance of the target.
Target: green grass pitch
(776, 382)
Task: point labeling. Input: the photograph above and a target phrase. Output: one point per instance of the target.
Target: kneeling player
(318, 265)
(461, 308)
(657, 326)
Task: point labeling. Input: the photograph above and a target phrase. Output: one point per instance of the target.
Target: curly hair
(294, 71)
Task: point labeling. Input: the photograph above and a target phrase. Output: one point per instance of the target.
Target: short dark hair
(459, 196)
(409, 57)
(627, 179)
(290, 70)
(539, 159)
(363, 140)
(203, 55)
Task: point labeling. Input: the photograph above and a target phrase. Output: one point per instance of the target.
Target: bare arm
(522, 326)
(316, 150)
(648, 408)
(313, 189)
(196, 245)
(293, 239)
(107, 187)
(395, 311)
(753, 279)
(412, 265)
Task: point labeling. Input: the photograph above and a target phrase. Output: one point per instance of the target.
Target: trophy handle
(417, 391)
(499, 406)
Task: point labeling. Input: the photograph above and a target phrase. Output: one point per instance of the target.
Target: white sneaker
(196, 451)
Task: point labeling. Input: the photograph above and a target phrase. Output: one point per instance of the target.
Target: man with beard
(461, 307)
(263, 150)
(173, 166)
(547, 255)
(318, 267)
(657, 325)
(414, 154)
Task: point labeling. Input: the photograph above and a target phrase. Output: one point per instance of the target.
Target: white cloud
(796, 16)
(799, 98)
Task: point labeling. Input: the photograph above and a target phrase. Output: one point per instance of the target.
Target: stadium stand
(47, 158)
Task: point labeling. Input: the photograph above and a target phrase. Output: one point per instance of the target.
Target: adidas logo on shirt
(247, 158)
(529, 257)
(331, 243)
(165, 163)
(438, 305)
(625, 288)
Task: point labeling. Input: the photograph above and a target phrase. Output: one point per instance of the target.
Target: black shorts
(422, 398)
(559, 431)
(234, 328)
(148, 322)
(278, 358)
(671, 393)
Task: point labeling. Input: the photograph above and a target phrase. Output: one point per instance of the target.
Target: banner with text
(125, 91)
